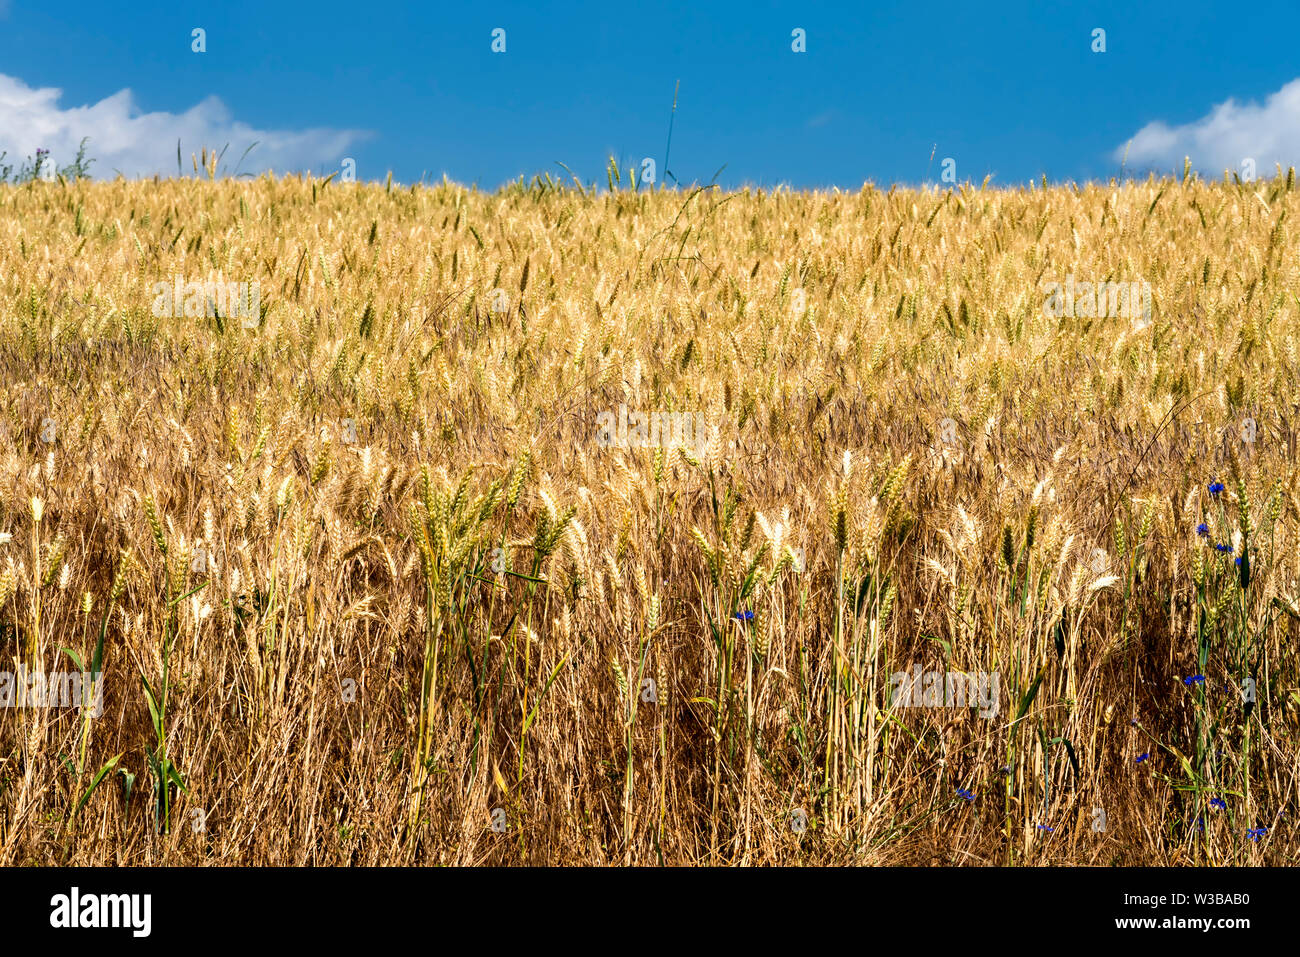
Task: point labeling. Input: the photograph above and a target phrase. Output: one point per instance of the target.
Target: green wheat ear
(620, 678)
(1247, 527)
(839, 518)
(155, 525)
(1275, 503)
(1148, 517)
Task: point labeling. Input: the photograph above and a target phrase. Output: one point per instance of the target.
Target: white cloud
(142, 144)
(1230, 133)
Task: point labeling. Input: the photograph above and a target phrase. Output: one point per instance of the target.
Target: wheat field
(369, 578)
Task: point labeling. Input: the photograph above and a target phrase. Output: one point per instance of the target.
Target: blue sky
(1011, 89)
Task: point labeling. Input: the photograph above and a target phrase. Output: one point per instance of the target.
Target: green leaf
(1028, 698)
(527, 578)
(864, 589)
(128, 784)
(174, 775)
(187, 594)
(947, 645)
(1074, 761)
(94, 783)
(538, 703)
(97, 659)
(153, 706)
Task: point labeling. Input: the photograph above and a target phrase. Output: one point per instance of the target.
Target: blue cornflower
(1194, 679)
(1044, 827)
(1219, 803)
(1216, 488)
(1237, 560)
(1255, 833)
(1203, 530)
(745, 615)
(1223, 548)
(968, 795)
(1143, 757)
